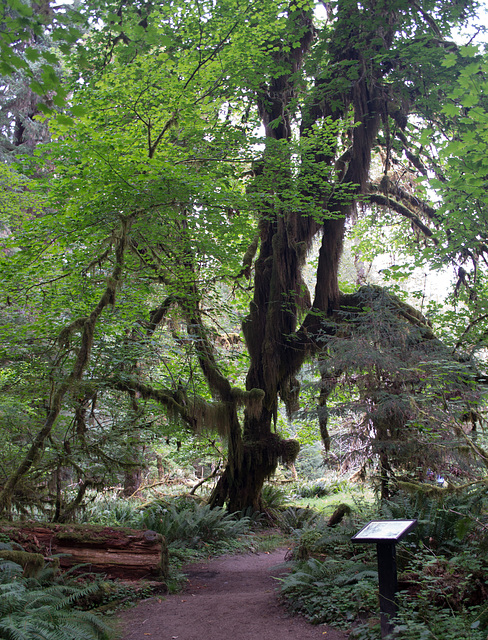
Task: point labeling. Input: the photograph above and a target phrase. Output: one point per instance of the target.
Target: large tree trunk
(132, 481)
(259, 462)
(277, 345)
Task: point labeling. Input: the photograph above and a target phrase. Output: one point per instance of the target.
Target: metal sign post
(386, 533)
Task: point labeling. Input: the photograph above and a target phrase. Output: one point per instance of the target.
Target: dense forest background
(179, 181)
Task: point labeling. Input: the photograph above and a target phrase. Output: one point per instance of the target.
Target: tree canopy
(205, 165)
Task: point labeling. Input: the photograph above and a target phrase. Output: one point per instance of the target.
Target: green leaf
(469, 51)
(37, 87)
(6, 69)
(19, 6)
(450, 109)
(470, 99)
(78, 110)
(64, 120)
(43, 108)
(450, 60)
(50, 57)
(32, 54)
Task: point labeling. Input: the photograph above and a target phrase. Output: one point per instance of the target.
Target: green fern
(443, 523)
(274, 498)
(295, 518)
(117, 512)
(333, 591)
(194, 525)
(31, 611)
(317, 489)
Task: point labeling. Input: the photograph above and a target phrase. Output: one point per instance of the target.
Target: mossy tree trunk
(277, 342)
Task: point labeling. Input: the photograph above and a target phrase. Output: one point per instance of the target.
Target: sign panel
(384, 531)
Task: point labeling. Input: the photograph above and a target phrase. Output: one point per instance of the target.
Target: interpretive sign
(386, 533)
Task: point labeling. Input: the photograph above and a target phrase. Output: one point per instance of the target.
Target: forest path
(227, 598)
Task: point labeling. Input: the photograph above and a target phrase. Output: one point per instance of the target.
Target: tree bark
(277, 345)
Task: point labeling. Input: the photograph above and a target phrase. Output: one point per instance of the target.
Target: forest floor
(227, 598)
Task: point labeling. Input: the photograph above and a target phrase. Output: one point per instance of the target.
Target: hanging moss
(269, 450)
(211, 416)
(290, 394)
(252, 400)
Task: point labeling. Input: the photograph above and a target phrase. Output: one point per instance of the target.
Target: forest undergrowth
(442, 566)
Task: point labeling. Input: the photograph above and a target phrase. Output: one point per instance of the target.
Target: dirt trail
(229, 598)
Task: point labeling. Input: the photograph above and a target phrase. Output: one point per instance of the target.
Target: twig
(199, 484)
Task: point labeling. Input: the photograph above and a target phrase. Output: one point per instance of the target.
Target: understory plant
(321, 488)
(274, 500)
(110, 510)
(444, 521)
(333, 591)
(297, 518)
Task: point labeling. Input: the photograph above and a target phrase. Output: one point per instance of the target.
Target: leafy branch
(87, 327)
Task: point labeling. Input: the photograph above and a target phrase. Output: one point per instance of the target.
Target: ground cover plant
(70, 609)
(443, 569)
(46, 606)
(326, 493)
(193, 530)
(193, 525)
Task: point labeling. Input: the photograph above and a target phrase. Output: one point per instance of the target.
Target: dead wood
(117, 552)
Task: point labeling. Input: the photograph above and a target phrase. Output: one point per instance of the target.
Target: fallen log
(115, 551)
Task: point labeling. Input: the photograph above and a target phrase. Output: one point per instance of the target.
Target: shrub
(273, 498)
(273, 501)
(112, 512)
(444, 522)
(310, 461)
(443, 572)
(295, 518)
(317, 489)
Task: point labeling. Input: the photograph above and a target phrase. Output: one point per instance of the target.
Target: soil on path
(229, 598)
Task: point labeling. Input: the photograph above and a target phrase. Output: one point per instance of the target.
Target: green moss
(83, 537)
(425, 489)
(32, 563)
(289, 450)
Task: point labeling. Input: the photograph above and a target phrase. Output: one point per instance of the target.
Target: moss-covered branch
(404, 211)
(196, 412)
(358, 301)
